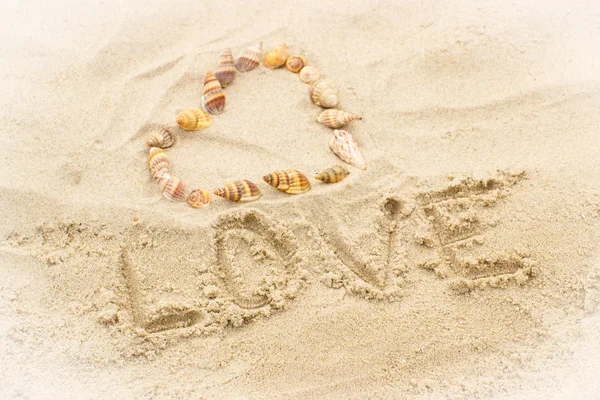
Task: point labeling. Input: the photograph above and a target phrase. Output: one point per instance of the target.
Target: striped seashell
(239, 191)
(175, 190)
(213, 99)
(162, 177)
(336, 118)
(157, 160)
(333, 175)
(309, 75)
(162, 138)
(344, 146)
(198, 198)
(276, 58)
(225, 68)
(324, 94)
(250, 59)
(295, 63)
(289, 181)
(193, 119)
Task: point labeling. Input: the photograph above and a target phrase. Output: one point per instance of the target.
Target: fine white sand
(463, 263)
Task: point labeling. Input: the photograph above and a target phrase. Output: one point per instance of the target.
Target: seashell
(276, 58)
(157, 160)
(333, 175)
(193, 119)
(198, 198)
(290, 181)
(344, 146)
(250, 59)
(240, 191)
(324, 94)
(309, 75)
(336, 118)
(162, 177)
(295, 63)
(162, 138)
(225, 68)
(213, 99)
(175, 190)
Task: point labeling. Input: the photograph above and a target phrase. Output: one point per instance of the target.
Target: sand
(463, 263)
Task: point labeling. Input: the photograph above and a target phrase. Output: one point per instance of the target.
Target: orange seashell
(225, 68)
(336, 118)
(324, 94)
(276, 58)
(344, 146)
(175, 190)
(157, 160)
(295, 63)
(333, 175)
(239, 191)
(289, 181)
(162, 138)
(213, 99)
(193, 119)
(309, 74)
(198, 198)
(250, 59)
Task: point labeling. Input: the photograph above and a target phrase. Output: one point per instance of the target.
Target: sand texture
(464, 263)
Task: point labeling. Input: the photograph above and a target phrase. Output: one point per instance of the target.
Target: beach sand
(463, 263)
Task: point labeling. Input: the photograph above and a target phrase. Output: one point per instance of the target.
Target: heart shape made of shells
(322, 93)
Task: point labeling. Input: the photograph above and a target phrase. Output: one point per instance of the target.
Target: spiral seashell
(295, 63)
(162, 138)
(333, 175)
(162, 177)
(175, 190)
(309, 75)
(276, 58)
(213, 99)
(198, 198)
(289, 181)
(157, 160)
(324, 94)
(240, 191)
(250, 59)
(344, 146)
(336, 118)
(225, 68)
(193, 119)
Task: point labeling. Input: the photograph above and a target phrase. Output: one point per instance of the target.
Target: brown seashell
(295, 63)
(161, 177)
(225, 68)
(336, 118)
(198, 198)
(213, 99)
(289, 181)
(157, 160)
(162, 138)
(309, 74)
(324, 94)
(250, 59)
(276, 58)
(175, 190)
(193, 119)
(344, 146)
(333, 175)
(239, 191)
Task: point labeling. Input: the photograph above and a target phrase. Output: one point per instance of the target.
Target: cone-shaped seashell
(309, 75)
(336, 118)
(162, 177)
(157, 160)
(324, 94)
(162, 138)
(193, 119)
(225, 68)
(213, 99)
(240, 191)
(295, 63)
(333, 175)
(175, 190)
(198, 198)
(344, 146)
(276, 58)
(250, 59)
(290, 181)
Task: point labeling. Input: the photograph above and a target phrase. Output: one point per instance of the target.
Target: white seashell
(344, 146)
